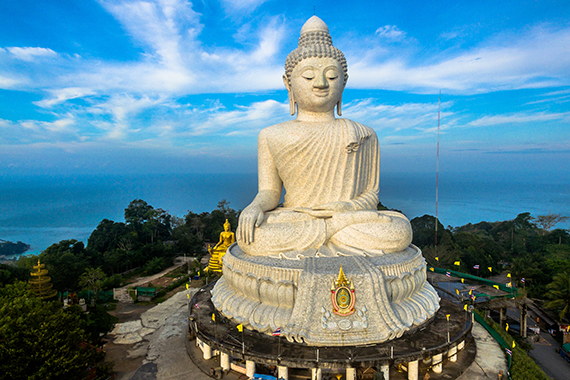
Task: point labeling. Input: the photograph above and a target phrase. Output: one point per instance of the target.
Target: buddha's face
(317, 84)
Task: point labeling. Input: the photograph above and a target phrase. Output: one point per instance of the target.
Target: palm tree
(559, 294)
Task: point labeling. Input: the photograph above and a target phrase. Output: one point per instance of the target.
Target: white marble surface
(280, 272)
(328, 167)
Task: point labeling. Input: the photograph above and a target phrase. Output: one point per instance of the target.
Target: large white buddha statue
(329, 168)
(326, 266)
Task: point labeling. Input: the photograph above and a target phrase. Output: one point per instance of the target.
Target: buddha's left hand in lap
(326, 210)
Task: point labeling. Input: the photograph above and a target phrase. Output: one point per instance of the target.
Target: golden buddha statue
(227, 238)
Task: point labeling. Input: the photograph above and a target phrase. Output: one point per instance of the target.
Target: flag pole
(437, 172)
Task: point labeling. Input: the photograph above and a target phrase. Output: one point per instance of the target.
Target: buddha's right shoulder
(276, 130)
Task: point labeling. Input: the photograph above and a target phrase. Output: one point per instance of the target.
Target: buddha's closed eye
(308, 74)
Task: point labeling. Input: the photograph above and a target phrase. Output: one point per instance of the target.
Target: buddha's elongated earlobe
(338, 107)
(291, 103)
(291, 96)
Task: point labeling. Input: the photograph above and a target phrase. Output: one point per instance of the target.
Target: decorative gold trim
(344, 305)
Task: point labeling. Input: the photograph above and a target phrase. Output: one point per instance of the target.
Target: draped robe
(319, 163)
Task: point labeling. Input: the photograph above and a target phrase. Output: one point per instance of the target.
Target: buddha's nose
(321, 81)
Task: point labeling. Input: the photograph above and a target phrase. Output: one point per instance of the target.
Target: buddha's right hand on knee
(250, 218)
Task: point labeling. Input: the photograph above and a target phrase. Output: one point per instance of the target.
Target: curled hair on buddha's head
(315, 42)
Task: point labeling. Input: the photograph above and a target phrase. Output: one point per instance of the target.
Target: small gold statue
(227, 238)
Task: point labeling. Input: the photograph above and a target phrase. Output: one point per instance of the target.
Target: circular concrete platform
(415, 346)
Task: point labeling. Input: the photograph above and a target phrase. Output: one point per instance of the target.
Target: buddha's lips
(321, 93)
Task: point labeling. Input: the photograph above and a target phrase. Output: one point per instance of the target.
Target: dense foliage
(526, 247)
(41, 340)
(149, 239)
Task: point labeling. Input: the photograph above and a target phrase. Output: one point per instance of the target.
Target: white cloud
(168, 27)
(518, 118)
(30, 53)
(241, 6)
(243, 120)
(29, 131)
(533, 59)
(61, 125)
(421, 116)
(61, 95)
(390, 32)
(6, 83)
(558, 99)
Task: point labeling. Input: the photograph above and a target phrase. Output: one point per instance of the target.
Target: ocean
(42, 210)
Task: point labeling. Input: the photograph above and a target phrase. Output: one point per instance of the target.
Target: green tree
(558, 292)
(40, 340)
(92, 279)
(12, 273)
(155, 265)
(137, 212)
(106, 236)
(424, 232)
(547, 222)
(65, 261)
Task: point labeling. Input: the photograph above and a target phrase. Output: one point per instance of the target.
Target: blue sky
(176, 86)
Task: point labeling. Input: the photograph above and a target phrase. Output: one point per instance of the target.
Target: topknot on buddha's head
(315, 41)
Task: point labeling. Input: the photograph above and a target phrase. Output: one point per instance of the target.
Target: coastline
(43, 210)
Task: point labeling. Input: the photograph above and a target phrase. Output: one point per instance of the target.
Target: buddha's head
(315, 72)
(227, 226)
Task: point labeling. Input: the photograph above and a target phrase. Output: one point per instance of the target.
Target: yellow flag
(188, 295)
(514, 344)
(457, 263)
(567, 328)
(496, 286)
(462, 280)
(506, 327)
(470, 291)
(187, 287)
(436, 258)
(508, 275)
(431, 268)
(240, 327)
(510, 285)
(447, 316)
(465, 307)
(490, 269)
(457, 291)
(213, 317)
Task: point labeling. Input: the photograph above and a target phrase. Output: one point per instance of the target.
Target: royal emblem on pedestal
(342, 295)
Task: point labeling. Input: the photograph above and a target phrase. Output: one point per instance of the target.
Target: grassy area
(180, 271)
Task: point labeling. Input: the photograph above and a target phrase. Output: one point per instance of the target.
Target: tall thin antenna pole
(437, 172)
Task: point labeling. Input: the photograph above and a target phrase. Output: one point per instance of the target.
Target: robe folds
(320, 163)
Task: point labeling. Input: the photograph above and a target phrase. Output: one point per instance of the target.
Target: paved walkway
(160, 336)
(144, 280)
(490, 358)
